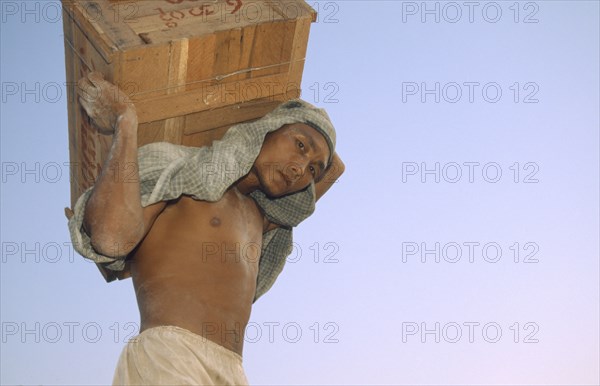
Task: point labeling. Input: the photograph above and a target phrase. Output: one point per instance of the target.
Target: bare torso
(197, 267)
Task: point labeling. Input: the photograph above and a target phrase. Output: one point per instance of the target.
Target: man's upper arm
(331, 176)
(150, 214)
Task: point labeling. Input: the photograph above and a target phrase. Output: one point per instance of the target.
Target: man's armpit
(151, 213)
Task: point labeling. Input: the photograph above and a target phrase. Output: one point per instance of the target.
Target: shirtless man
(200, 292)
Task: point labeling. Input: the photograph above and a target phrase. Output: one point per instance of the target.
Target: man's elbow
(341, 167)
(111, 247)
(112, 237)
(336, 169)
(114, 244)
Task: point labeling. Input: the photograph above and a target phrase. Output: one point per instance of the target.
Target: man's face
(290, 159)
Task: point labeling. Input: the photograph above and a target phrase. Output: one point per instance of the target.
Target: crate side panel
(271, 53)
(146, 70)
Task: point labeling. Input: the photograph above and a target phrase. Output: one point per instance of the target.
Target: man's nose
(297, 169)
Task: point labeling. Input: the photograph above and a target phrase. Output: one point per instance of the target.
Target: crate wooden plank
(229, 115)
(197, 123)
(85, 143)
(203, 99)
(166, 130)
(161, 9)
(78, 15)
(228, 57)
(299, 51)
(71, 105)
(146, 71)
(272, 53)
(201, 57)
(166, 22)
(292, 9)
(112, 19)
(150, 132)
(173, 131)
(204, 137)
(179, 52)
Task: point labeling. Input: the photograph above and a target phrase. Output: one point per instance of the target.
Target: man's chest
(225, 231)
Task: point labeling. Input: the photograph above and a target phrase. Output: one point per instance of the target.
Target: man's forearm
(333, 173)
(114, 215)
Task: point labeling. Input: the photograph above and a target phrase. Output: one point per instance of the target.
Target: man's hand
(104, 103)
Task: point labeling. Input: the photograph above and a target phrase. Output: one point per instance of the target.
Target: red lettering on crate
(170, 17)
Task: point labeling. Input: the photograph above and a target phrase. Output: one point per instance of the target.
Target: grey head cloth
(168, 171)
(314, 117)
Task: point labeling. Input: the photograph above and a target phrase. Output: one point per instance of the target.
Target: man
(205, 230)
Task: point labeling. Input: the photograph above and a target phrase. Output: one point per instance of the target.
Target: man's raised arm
(114, 218)
(331, 176)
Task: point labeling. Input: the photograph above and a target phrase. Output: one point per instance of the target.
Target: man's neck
(248, 183)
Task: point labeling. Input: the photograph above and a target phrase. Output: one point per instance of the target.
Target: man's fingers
(86, 106)
(82, 84)
(95, 80)
(95, 76)
(87, 90)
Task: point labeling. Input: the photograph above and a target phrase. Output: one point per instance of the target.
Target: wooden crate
(192, 67)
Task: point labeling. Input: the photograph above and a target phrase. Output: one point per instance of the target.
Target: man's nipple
(215, 221)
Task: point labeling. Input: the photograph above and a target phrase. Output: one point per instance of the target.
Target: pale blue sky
(369, 314)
